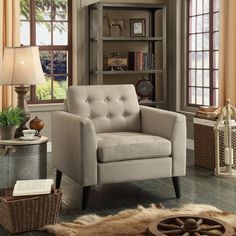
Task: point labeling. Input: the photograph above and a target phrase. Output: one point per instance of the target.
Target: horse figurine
(114, 22)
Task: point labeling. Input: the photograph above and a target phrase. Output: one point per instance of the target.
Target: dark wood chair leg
(86, 191)
(176, 183)
(58, 178)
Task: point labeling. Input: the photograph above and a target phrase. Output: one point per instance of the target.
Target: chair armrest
(172, 126)
(74, 147)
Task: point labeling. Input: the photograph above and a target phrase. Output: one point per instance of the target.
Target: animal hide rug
(132, 222)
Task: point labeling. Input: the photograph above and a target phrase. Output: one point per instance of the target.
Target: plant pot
(7, 133)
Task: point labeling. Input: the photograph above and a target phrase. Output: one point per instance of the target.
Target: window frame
(68, 48)
(211, 56)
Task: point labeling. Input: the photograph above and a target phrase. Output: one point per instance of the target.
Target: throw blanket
(132, 222)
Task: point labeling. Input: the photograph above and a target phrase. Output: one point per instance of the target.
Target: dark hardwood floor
(198, 186)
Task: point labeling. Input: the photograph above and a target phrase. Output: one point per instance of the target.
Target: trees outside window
(48, 24)
(203, 52)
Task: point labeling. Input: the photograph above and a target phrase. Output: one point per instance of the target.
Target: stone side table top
(19, 142)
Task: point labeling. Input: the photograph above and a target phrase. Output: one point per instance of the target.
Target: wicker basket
(204, 146)
(21, 214)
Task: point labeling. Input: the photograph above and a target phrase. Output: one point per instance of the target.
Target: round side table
(22, 160)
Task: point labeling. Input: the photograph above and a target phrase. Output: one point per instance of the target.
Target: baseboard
(49, 147)
(190, 144)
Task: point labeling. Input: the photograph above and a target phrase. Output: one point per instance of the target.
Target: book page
(32, 187)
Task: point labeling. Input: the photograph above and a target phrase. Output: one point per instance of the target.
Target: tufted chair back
(112, 108)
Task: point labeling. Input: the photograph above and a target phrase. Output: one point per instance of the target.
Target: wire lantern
(225, 142)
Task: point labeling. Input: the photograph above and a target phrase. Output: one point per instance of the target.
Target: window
(47, 24)
(203, 52)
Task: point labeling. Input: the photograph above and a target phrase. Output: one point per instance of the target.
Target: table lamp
(21, 68)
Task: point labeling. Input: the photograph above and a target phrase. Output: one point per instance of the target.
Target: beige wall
(80, 65)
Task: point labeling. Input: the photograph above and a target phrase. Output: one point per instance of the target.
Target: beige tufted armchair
(104, 136)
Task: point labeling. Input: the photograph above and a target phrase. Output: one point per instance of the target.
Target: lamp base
(22, 104)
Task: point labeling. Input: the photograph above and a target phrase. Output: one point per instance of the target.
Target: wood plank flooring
(198, 186)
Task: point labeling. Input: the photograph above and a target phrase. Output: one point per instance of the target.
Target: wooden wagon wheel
(189, 225)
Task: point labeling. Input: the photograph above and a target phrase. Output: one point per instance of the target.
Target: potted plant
(9, 119)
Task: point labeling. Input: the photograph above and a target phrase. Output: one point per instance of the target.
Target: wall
(80, 65)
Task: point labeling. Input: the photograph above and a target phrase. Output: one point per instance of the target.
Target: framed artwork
(138, 27)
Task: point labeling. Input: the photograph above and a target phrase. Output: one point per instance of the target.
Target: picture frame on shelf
(138, 27)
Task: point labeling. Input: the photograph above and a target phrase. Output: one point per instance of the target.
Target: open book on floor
(32, 187)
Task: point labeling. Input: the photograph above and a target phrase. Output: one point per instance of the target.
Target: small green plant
(11, 117)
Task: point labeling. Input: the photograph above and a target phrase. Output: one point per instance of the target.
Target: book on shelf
(141, 61)
(208, 108)
(207, 113)
(32, 187)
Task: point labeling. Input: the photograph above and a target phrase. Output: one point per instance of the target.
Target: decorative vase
(7, 132)
(36, 124)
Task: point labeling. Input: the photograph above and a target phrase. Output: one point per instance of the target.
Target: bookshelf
(103, 42)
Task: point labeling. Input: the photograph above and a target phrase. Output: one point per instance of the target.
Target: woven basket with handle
(21, 214)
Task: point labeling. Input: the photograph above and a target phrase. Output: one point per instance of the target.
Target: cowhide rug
(132, 222)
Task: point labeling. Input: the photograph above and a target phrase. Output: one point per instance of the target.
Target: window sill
(46, 107)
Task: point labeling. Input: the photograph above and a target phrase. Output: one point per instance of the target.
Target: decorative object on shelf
(115, 62)
(189, 225)
(21, 66)
(138, 27)
(206, 112)
(114, 22)
(144, 88)
(9, 119)
(36, 124)
(224, 129)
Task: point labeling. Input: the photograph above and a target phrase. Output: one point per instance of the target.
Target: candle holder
(225, 130)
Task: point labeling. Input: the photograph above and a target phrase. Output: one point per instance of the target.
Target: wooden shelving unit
(100, 44)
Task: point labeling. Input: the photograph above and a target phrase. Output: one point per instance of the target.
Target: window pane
(44, 91)
(206, 23)
(59, 87)
(60, 62)
(199, 96)
(206, 41)
(192, 77)
(60, 30)
(192, 25)
(43, 33)
(206, 97)
(25, 33)
(216, 5)
(192, 42)
(206, 78)
(192, 63)
(216, 20)
(192, 95)
(216, 40)
(216, 79)
(199, 59)
(193, 7)
(206, 60)
(42, 10)
(199, 42)
(199, 6)
(206, 6)
(46, 61)
(199, 77)
(199, 23)
(59, 9)
(24, 10)
(216, 60)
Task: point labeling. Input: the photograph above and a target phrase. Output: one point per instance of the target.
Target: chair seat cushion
(121, 146)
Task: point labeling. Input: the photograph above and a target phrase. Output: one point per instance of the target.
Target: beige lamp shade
(21, 66)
